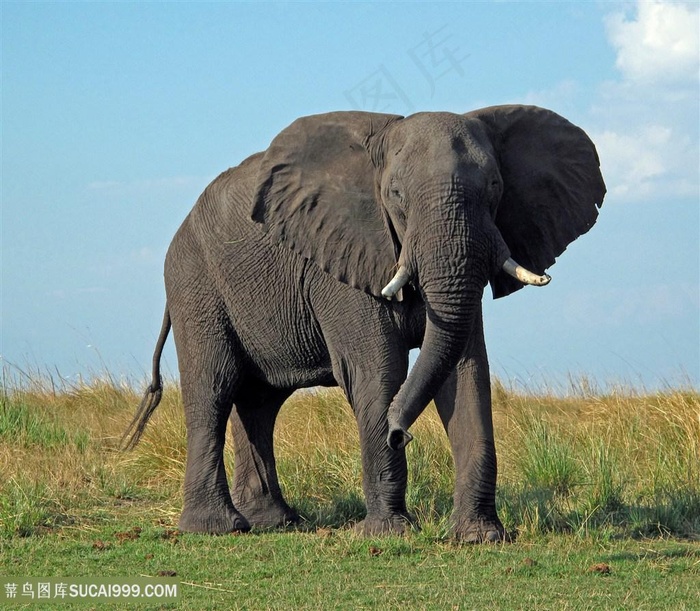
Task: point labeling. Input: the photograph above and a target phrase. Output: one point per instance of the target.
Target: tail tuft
(150, 401)
(152, 396)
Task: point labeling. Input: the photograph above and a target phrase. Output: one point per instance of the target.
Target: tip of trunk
(398, 438)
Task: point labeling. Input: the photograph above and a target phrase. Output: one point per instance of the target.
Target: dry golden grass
(589, 462)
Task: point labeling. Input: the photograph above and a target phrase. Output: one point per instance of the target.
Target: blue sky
(115, 116)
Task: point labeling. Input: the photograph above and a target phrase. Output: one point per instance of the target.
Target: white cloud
(639, 305)
(73, 293)
(562, 98)
(642, 161)
(634, 160)
(104, 185)
(172, 183)
(647, 134)
(131, 261)
(659, 44)
(144, 255)
(644, 123)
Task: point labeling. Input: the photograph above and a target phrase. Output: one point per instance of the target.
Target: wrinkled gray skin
(274, 283)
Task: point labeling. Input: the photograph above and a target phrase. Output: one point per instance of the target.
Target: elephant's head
(448, 202)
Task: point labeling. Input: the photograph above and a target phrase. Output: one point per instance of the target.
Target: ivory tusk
(396, 283)
(526, 277)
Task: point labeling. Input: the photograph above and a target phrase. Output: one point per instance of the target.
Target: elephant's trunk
(453, 265)
(442, 348)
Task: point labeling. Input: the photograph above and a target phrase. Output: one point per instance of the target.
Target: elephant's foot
(213, 521)
(396, 524)
(268, 513)
(479, 530)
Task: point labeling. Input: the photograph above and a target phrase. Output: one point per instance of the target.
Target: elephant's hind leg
(256, 491)
(208, 381)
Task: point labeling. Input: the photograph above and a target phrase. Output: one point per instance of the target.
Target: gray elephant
(322, 261)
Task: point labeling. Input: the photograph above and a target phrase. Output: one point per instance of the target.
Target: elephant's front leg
(384, 473)
(464, 405)
(369, 358)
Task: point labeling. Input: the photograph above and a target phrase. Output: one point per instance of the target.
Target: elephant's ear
(316, 193)
(552, 185)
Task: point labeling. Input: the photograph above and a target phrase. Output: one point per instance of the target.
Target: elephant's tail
(153, 394)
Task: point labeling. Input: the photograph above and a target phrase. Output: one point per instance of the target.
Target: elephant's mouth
(511, 267)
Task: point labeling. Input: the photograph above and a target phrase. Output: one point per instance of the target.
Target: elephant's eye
(495, 188)
(495, 192)
(395, 190)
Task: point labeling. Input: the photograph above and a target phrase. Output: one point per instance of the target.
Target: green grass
(21, 425)
(334, 569)
(602, 490)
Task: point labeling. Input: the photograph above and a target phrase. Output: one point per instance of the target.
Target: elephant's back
(261, 286)
(225, 204)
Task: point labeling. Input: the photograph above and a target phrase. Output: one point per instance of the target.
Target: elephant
(322, 261)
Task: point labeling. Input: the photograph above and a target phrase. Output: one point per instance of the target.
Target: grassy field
(602, 490)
